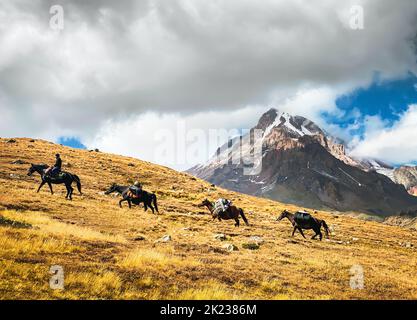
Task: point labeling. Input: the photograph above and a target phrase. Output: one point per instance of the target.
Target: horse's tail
(243, 217)
(326, 228)
(78, 182)
(154, 202)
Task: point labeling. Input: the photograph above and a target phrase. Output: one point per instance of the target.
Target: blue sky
(72, 142)
(385, 99)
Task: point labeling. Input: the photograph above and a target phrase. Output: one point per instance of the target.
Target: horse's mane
(41, 165)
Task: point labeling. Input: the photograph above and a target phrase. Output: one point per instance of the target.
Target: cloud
(396, 144)
(117, 61)
(168, 138)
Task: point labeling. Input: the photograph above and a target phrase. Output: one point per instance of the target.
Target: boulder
(256, 239)
(165, 238)
(230, 247)
(251, 246)
(220, 237)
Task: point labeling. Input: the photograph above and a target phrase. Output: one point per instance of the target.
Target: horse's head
(283, 215)
(31, 170)
(36, 168)
(111, 189)
(205, 203)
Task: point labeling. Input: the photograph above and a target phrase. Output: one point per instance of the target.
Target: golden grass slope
(98, 244)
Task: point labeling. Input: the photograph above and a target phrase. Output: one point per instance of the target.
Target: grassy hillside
(113, 253)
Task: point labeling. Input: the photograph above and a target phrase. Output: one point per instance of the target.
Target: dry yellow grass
(94, 240)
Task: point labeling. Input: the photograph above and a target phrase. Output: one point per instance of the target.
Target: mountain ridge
(294, 139)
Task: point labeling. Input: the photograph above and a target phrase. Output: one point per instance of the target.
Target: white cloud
(396, 144)
(146, 135)
(309, 102)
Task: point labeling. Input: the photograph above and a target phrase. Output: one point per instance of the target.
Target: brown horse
(307, 223)
(232, 212)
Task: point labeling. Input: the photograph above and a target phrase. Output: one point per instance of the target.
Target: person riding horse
(54, 170)
(135, 190)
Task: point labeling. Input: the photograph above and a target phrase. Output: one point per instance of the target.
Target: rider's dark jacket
(58, 163)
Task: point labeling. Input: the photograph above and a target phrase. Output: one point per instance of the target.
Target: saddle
(130, 194)
(302, 216)
(54, 175)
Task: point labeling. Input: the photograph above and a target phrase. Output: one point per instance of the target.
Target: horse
(309, 223)
(148, 199)
(64, 177)
(232, 212)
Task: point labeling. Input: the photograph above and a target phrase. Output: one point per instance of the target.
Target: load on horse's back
(135, 190)
(221, 206)
(302, 216)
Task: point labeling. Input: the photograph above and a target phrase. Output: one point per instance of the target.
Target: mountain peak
(304, 165)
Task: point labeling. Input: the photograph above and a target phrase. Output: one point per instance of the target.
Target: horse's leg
(317, 231)
(130, 203)
(120, 202)
(293, 231)
(302, 233)
(41, 185)
(148, 203)
(240, 211)
(50, 187)
(237, 224)
(70, 190)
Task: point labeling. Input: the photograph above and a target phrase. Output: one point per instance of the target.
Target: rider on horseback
(135, 190)
(56, 168)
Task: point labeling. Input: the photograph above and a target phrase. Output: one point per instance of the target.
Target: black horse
(305, 221)
(64, 177)
(148, 199)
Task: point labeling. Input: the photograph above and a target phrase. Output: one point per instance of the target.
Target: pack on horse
(62, 178)
(232, 212)
(303, 220)
(148, 199)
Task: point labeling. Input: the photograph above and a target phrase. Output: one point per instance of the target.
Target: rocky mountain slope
(407, 176)
(112, 253)
(302, 164)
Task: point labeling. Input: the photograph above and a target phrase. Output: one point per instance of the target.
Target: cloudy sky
(133, 77)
